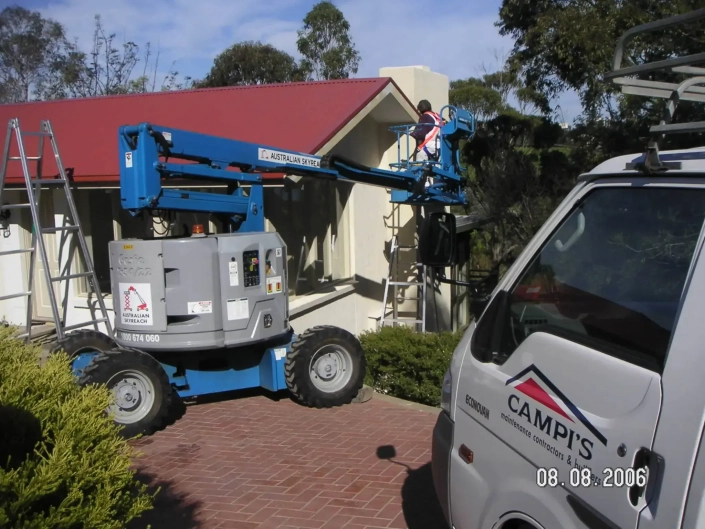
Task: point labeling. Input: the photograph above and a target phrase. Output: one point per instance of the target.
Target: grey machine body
(199, 292)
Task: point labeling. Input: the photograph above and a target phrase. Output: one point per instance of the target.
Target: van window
(611, 277)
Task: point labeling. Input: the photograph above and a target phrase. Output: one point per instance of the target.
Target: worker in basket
(427, 133)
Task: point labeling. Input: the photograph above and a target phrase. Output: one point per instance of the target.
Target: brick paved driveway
(259, 463)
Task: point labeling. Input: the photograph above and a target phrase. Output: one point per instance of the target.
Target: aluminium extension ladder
(393, 284)
(33, 186)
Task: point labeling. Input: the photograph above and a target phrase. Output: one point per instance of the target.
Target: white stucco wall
(356, 308)
(12, 280)
(417, 83)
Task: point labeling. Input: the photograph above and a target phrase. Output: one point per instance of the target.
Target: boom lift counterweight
(210, 317)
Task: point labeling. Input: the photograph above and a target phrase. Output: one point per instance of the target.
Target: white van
(576, 399)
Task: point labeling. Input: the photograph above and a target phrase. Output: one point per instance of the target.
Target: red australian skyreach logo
(540, 410)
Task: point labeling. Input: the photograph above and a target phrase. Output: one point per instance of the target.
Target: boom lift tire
(325, 367)
(84, 341)
(140, 385)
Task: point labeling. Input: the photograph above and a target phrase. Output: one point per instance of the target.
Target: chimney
(419, 82)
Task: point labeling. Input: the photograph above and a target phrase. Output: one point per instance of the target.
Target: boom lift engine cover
(195, 293)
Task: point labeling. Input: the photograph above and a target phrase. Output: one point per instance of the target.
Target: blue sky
(461, 34)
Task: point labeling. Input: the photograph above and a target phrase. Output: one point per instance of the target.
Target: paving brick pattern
(259, 463)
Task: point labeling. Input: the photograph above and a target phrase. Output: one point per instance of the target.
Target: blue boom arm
(148, 151)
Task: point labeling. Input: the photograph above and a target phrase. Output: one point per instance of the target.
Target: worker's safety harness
(432, 136)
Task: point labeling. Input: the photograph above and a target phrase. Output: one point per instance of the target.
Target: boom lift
(204, 313)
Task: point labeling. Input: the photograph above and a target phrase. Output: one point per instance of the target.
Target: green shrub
(63, 463)
(408, 364)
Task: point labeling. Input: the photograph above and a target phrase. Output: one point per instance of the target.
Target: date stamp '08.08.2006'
(583, 477)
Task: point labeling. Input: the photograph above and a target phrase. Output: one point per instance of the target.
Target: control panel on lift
(251, 265)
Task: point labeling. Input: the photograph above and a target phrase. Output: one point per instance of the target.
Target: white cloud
(184, 29)
(455, 37)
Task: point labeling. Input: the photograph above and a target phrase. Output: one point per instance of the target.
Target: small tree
(520, 171)
(107, 69)
(30, 47)
(489, 95)
(63, 463)
(325, 44)
(475, 96)
(407, 364)
(251, 63)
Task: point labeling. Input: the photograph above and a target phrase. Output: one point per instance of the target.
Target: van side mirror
(437, 240)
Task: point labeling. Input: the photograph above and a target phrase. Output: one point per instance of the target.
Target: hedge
(407, 364)
(63, 464)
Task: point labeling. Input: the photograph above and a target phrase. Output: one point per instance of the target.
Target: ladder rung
(45, 134)
(408, 299)
(79, 325)
(46, 181)
(12, 252)
(28, 158)
(405, 283)
(71, 276)
(400, 320)
(13, 296)
(15, 206)
(59, 228)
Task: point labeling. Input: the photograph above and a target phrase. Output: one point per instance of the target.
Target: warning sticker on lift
(128, 159)
(238, 309)
(274, 285)
(200, 307)
(279, 252)
(269, 155)
(232, 271)
(136, 306)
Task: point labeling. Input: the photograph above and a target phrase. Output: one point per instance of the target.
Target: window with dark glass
(612, 276)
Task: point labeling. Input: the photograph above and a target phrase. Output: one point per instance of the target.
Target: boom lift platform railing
(33, 185)
(692, 88)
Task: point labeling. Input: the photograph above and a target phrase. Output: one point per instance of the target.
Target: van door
(677, 459)
(694, 516)
(566, 362)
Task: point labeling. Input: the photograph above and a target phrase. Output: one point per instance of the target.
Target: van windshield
(613, 274)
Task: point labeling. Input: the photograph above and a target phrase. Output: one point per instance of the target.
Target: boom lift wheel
(83, 341)
(325, 367)
(140, 387)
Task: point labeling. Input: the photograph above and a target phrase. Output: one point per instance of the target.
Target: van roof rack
(691, 89)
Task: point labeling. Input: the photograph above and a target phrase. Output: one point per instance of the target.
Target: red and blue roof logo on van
(529, 386)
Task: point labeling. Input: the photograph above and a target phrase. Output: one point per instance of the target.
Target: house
(337, 234)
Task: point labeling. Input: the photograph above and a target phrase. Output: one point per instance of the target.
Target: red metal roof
(296, 116)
